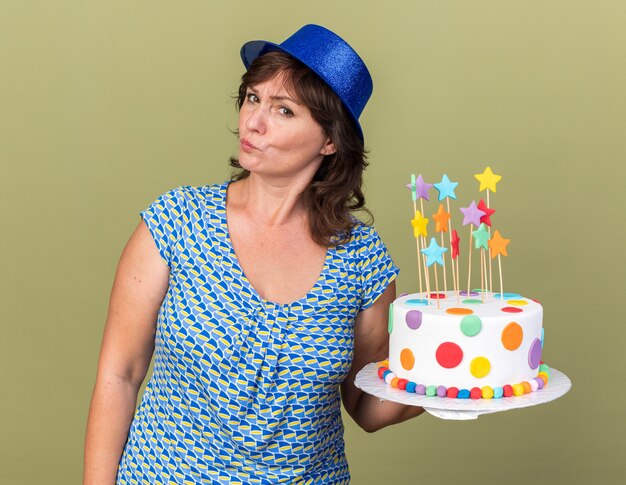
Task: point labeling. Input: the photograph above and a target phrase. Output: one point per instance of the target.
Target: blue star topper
(446, 188)
(434, 253)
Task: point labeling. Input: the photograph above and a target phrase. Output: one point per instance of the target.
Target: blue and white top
(245, 390)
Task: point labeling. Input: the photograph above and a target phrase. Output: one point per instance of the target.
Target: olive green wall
(105, 105)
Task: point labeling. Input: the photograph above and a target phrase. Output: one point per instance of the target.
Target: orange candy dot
(459, 311)
(394, 382)
(544, 377)
(527, 388)
(512, 336)
(407, 359)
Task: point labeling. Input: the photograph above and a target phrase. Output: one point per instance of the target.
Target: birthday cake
(463, 343)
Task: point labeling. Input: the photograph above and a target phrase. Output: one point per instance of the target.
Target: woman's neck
(270, 202)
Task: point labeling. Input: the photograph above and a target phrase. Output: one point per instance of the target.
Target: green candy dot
(390, 324)
(471, 325)
(431, 391)
(544, 368)
(472, 301)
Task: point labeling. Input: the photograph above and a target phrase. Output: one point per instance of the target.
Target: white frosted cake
(468, 347)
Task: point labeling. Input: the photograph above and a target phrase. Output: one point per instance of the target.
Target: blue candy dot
(386, 373)
(410, 386)
(498, 392)
(463, 394)
(416, 302)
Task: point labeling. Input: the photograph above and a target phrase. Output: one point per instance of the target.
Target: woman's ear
(328, 148)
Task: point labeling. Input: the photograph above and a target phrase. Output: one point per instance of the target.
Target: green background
(106, 105)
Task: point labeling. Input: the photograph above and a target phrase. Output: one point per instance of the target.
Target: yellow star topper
(488, 180)
(419, 225)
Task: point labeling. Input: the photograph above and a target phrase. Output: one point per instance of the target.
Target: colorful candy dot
(511, 309)
(441, 391)
(517, 302)
(472, 301)
(507, 390)
(402, 384)
(383, 363)
(431, 391)
(476, 393)
(544, 368)
(512, 336)
(465, 293)
(518, 390)
(394, 382)
(527, 388)
(498, 392)
(416, 302)
(534, 354)
(386, 373)
(539, 382)
(413, 319)
(381, 371)
(389, 377)
(544, 377)
(507, 295)
(420, 389)
(449, 355)
(487, 392)
(459, 311)
(407, 359)
(452, 392)
(480, 367)
(410, 387)
(533, 385)
(463, 394)
(471, 325)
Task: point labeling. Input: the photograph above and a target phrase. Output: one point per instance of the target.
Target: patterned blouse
(244, 390)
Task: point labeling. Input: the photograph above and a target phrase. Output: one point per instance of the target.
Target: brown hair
(335, 190)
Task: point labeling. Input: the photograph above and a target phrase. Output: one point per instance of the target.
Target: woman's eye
(252, 97)
(285, 111)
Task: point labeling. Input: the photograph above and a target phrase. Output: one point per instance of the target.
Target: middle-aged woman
(261, 298)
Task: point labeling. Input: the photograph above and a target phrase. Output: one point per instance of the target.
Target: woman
(261, 297)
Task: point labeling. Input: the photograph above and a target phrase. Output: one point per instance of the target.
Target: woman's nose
(256, 120)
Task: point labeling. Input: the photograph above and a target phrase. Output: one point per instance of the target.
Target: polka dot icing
(465, 293)
(517, 302)
(511, 309)
(449, 355)
(472, 301)
(471, 325)
(416, 302)
(407, 359)
(480, 367)
(459, 311)
(413, 319)
(512, 336)
(507, 295)
(534, 354)
(437, 296)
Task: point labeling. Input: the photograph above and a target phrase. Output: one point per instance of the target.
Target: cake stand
(461, 409)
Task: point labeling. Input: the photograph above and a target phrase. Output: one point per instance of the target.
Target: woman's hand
(371, 344)
(140, 285)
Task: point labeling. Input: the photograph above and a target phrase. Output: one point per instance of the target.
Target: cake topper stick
(441, 219)
(446, 191)
(481, 239)
(454, 254)
(488, 181)
(471, 216)
(416, 232)
(421, 193)
(498, 245)
(434, 254)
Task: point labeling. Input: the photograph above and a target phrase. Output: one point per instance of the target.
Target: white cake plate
(445, 408)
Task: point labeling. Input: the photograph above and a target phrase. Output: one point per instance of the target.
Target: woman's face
(278, 137)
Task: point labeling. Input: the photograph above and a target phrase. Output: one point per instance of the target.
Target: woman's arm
(140, 285)
(371, 344)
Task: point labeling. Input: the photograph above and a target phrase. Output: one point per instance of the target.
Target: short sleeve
(376, 268)
(164, 218)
